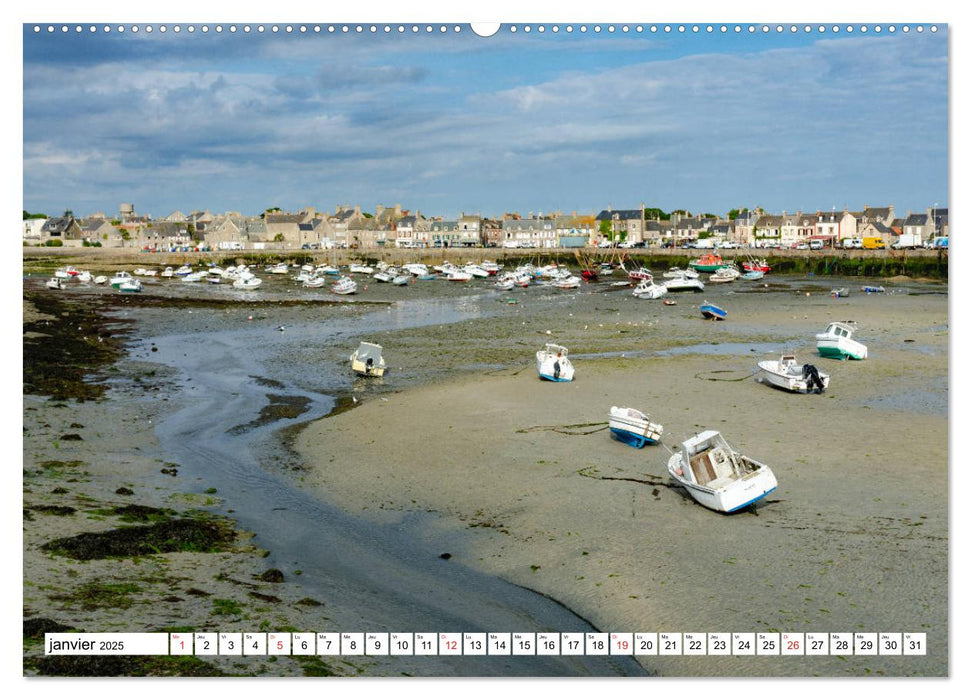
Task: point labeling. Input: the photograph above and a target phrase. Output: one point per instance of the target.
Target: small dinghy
(712, 311)
(753, 275)
(670, 302)
(55, 283)
(837, 342)
(786, 373)
(633, 427)
(100, 279)
(553, 364)
(367, 360)
(717, 476)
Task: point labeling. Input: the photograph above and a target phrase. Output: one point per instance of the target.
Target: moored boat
(713, 311)
(119, 278)
(641, 273)
(684, 284)
(709, 262)
(130, 285)
(247, 283)
(837, 342)
(786, 373)
(368, 361)
(872, 290)
(647, 289)
(633, 427)
(753, 275)
(553, 364)
(345, 285)
(54, 283)
(717, 476)
(401, 280)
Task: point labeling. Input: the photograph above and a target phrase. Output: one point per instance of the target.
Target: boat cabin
(710, 460)
(553, 349)
(840, 329)
(367, 359)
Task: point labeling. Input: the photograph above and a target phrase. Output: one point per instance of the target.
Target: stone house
(575, 231)
(625, 224)
(767, 230)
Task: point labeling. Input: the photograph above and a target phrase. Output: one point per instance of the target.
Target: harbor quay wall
(875, 263)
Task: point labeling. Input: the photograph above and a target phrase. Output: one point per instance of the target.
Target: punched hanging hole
(485, 29)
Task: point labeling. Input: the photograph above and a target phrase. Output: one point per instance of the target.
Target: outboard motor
(811, 376)
(556, 369)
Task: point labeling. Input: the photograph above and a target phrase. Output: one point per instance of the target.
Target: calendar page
(602, 348)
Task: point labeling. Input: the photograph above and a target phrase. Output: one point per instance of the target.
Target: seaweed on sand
(184, 535)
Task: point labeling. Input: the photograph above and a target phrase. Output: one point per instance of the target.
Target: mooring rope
(567, 429)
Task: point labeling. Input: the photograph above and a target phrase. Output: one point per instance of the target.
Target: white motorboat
(119, 278)
(247, 283)
(130, 285)
(367, 360)
(568, 282)
(55, 283)
(383, 276)
(724, 274)
(345, 285)
(788, 374)
(491, 267)
(100, 279)
(457, 275)
(553, 364)
(362, 269)
(837, 342)
(83, 276)
(401, 280)
(648, 289)
(684, 284)
(183, 271)
(278, 269)
(197, 276)
(634, 427)
(167, 272)
(505, 283)
(327, 270)
(314, 282)
(416, 269)
(214, 277)
(717, 476)
(476, 270)
(678, 272)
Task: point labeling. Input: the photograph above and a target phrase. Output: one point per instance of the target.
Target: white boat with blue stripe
(633, 427)
(717, 476)
(553, 364)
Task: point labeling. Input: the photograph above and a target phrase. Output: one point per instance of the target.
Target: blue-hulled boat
(709, 310)
(633, 427)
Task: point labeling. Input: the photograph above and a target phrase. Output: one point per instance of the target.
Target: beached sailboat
(758, 264)
(633, 427)
(786, 373)
(753, 275)
(713, 311)
(837, 342)
(717, 476)
(367, 360)
(553, 364)
(648, 289)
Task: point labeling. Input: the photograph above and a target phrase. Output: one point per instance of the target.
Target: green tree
(28, 215)
(606, 229)
(653, 213)
(68, 214)
(278, 238)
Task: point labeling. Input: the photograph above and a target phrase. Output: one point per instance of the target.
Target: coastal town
(351, 227)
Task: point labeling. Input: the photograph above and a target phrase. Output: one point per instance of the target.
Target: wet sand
(854, 539)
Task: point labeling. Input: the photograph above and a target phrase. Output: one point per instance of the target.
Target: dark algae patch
(75, 340)
(183, 535)
(281, 407)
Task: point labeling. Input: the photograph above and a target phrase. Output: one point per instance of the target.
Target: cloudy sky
(447, 123)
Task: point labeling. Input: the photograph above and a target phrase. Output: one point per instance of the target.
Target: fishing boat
(648, 289)
(758, 264)
(753, 275)
(786, 373)
(401, 280)
(362, 269)
(54, 283)
(367, 360)
(641, 273)
(247, 283)
(345, 285)
(837, 342)
(872, 290)
(709, 262)
(553, 364)
(633, 427)
(490, 266)
(130, 285)
(684, 284)
(717, 476)
(713, 311)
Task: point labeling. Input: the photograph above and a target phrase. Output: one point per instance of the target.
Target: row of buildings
(350, 227)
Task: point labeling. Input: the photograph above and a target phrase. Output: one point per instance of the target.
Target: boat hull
(713, 312)
(545, 367)
(736, 496)
(772, 376)
(839, 351)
